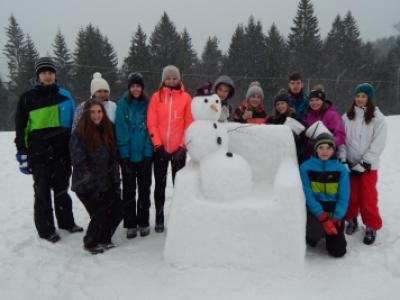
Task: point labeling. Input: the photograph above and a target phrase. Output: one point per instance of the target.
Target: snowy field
(31, 268)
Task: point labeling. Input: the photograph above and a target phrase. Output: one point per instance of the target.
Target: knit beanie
(170, 71)
(255, 89)
(324, 138)
(317, 94)
(45, 64)
(367, 89)
(135, 78)
(98, 83)
(282, 97)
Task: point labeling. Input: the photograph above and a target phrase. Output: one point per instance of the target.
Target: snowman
(224, 176)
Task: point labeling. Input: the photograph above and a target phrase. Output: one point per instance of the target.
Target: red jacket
(168, 117)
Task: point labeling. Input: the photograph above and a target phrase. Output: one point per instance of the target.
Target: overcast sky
(118, 19)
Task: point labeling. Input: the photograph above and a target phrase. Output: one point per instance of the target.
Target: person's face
(325, 151)
(96, 114)
(361, 99)
(255, 100)
(223, 91)
(316, 103)
(135, 90)
(281, 107)
(47, 78)
(102, 95)
(296, 86)
(171, 81)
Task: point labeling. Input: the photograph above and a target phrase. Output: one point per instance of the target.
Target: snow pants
(52, 175)
(105, 210)
(335, 244)
(161, 161)
(136, 213)
(364, 199)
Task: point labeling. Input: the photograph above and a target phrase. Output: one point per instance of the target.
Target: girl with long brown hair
(95, 176)
(365, 128)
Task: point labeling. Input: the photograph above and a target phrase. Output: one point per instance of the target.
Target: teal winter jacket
(132, 137)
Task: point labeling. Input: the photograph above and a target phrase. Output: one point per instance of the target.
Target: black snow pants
(53, 176)
(136, 213)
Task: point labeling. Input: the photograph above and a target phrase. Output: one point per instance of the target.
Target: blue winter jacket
(300, 104)
(326, 185)
(132, 137)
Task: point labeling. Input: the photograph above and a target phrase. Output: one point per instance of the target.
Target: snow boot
(144, 231)
(159, 228)
(94, 250)
(107, 246)
(352, 226)
(370, 236)
(131, 233)
(75, 228)
(54, 237)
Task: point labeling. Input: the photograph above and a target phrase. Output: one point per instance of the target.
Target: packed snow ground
(31, 268)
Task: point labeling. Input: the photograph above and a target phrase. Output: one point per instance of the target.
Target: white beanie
(98, 83)
(170, 71)
(255, 89)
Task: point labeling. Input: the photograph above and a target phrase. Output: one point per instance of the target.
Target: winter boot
(107, 246)
(370, 236)
(94, 250)
(159, 228)
(131, 233)
(352, 226)
(54, 237)
(144, 231)
(75, 228)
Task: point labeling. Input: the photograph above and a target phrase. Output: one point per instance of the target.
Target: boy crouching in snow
(326, 186)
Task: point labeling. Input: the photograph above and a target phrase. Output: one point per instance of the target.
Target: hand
(357, 169)
(159, 149)
(336, 222)
(248, 114)
(224, 114)
(23, 164)
(179, 154)
(327, 224)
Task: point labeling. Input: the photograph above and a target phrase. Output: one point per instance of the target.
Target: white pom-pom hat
(98, 83)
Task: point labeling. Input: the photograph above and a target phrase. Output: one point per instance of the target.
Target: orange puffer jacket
(168, 117)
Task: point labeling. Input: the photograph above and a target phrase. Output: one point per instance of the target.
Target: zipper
(169, 119)
(323, 172)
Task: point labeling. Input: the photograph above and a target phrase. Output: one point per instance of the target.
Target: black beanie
(135, 78)
(282, 97)
(45, 64)
(317, 94)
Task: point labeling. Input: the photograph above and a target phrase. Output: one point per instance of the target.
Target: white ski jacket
(364, 142)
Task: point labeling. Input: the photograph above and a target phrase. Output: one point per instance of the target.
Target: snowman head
(206, 107)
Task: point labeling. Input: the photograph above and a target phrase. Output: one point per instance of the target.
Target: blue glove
(23, 164)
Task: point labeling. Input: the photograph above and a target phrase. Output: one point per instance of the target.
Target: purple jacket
(331, 120)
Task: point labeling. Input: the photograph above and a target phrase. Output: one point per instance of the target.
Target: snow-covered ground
(31, 268)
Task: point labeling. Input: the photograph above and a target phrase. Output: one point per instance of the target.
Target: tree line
(339, 61)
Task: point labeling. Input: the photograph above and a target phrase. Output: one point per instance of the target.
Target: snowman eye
(206, 100)
(217, 101)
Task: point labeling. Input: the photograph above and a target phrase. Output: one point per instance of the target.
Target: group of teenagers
(139, 136)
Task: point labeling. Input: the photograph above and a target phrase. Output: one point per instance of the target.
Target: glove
(357, 169)
(23, 164)
(336, 222)
(327, 224)
(179, 154)
(366, 165)
(224, 114)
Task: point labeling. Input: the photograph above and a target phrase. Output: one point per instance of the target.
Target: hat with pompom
(98, 83)
(255, 89)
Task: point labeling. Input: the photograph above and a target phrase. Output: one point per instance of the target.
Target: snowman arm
(152, 121)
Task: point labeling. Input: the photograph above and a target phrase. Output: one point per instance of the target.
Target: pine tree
(138, 59)
(276, 58)
(235, 63)
(164, 45)
(27, 76)
(5, 109)
(211, 58)
(188, 57)
(14, 51)
(353, 47)
(304, 42)
(63, 58)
